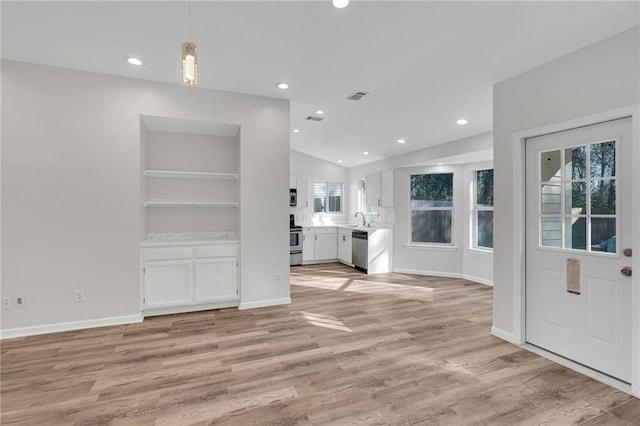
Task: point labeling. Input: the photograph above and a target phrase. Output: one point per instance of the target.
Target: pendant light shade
(189, 63)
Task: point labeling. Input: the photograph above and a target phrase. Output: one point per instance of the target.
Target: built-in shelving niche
(190, 180)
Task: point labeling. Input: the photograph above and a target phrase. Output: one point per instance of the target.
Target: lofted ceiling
(425, 64)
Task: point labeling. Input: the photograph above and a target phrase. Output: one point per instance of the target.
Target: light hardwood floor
(350, 349)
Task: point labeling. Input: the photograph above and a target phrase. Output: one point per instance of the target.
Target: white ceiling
(425, 63)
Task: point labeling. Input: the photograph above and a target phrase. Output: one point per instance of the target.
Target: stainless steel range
(295, 242)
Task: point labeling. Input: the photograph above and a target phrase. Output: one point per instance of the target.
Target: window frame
(450, 209)
(326, 197)
(475, 209)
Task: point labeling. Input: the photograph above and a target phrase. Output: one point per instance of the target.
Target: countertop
(173, 239)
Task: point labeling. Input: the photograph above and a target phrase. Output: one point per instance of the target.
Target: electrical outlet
(78, 295)
(276, 277)
(20, 302)
(6, 303)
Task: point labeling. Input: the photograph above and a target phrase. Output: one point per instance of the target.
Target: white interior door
(578, 225)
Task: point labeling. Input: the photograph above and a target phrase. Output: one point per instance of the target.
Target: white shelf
(190, 204)
(189, 175)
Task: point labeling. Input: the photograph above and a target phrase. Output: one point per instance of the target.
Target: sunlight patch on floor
(326, 321)
(371, 287)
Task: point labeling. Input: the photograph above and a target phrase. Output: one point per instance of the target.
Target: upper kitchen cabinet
(298, 186)
(190, 173)
(379, 186)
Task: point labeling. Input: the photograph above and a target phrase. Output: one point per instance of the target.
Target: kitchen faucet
(364, 219)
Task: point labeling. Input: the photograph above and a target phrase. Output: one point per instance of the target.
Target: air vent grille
(356, 96)
(314, 118)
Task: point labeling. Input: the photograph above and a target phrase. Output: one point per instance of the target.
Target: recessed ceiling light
(462, 122)
(320, 112)
(282, 85)
(340, 4)
(401, 141)
(340, 161)
(296, 130)
(134, 61)
(440, 164)
(365, 153)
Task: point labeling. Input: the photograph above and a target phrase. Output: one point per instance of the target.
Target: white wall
(311, 169)
(71, 189)
(598, 78)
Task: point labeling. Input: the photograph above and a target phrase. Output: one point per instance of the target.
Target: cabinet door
(326, 246)
(374, 189)
(386, 189)
(303, 201)
(344, 247)
(215, 279)
(168, 283)
(308, 247)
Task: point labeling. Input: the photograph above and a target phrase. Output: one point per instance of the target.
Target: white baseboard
(501, 334)
(68, 326)
(189, 308)
(430, 273)
(444, 274)
(478, 280)
(264, 303)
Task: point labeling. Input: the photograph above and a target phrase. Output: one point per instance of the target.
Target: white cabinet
(308, 244)
(190, 278)
(319, 243)
(215, 279)
(344, 245)
(167, 283)
(300, 185)
(379, 186)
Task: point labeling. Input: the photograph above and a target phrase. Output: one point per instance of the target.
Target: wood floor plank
(351, 349)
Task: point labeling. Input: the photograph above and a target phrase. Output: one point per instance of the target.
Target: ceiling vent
(356, 96)
(314, 118)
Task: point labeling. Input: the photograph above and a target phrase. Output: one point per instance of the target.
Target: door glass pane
(485, 228)
(603, 159)
(431, 226)
(575, 233)
(550, 197)
(576, 159)
(550, 166)
(551, 231)
(603, 234)
(576, 198)
(603, 196)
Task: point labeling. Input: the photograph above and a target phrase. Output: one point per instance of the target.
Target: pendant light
(189, 59)
(189, 63)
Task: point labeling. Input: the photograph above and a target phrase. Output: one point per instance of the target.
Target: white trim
(501, 334)
(428, 273)
(68, 326)
(151, 312)
(479, 251)
(519, 223)
(430, 246)
(478, 280)
(264, 303)
(613, 382)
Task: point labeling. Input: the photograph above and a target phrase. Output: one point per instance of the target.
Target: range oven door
(295, 241)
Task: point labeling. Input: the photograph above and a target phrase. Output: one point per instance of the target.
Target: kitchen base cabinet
(308, 244)
(191, 278)
(326, 239)
(344, 245)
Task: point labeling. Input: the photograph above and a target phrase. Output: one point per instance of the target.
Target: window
(431, 208)
(327, 197)
(483, 209)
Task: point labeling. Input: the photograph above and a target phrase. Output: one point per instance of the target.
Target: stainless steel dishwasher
(359, 249)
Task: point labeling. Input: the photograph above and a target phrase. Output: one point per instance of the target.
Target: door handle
(626, 271)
